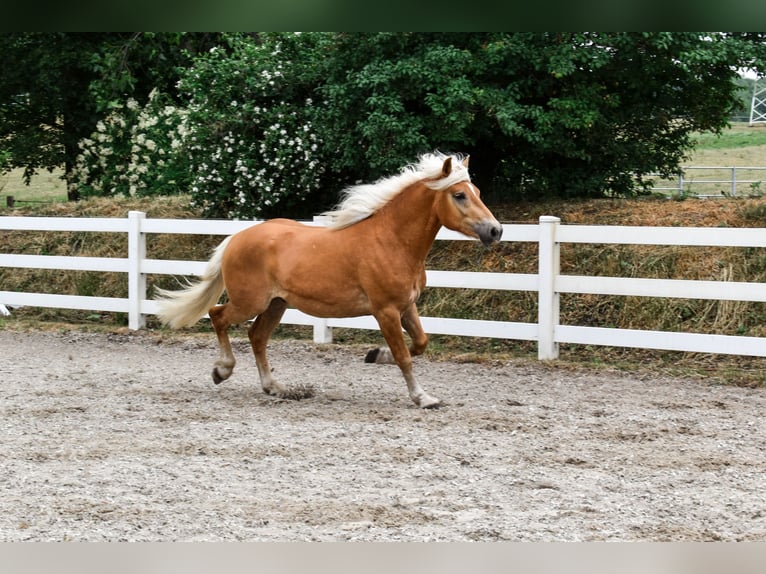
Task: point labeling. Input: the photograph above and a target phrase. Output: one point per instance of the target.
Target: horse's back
(272, 229)
(283, 221)
(277, 240)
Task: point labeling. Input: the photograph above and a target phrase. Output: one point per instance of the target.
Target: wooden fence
(548, 282)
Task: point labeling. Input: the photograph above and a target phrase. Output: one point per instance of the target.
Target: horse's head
(459, 207)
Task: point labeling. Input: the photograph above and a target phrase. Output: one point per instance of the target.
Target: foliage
(391, 96)
(133, 65)
(135, 150)
(55, 87)
(741, 113)
(563, 114)
(42, 112)
(280, 122)
(254, 151)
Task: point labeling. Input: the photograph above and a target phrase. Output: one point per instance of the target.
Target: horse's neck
(410, 219)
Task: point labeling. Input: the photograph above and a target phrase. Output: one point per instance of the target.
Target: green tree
(278, 123)
(567, 114)
(44, 108)
(55, 87)
(132, 65)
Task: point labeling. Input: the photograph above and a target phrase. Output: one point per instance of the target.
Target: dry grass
(723, 264)
(730, 264)
(689, 315)
(94, 245)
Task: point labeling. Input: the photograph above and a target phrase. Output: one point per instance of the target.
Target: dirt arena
(125, 438)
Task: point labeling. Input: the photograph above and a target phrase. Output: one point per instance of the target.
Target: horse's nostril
(489, 233)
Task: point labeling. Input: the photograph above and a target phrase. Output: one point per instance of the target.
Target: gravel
(124, 437)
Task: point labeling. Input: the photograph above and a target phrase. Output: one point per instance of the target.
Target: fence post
(322, 332)
(136, 279)
(733, 181)
(548, 298)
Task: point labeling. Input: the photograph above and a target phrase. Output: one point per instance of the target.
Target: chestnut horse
(369, 260)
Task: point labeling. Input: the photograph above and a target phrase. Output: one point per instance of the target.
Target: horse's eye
(459, 196)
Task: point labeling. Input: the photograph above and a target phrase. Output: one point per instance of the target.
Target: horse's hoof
(372, 355)
(429, 403)
(217, 378)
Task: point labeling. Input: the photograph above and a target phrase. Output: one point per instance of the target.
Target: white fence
(549, 283)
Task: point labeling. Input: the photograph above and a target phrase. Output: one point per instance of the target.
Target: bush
(254, 151)
(136, 151)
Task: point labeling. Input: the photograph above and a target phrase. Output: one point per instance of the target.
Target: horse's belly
(336, 305)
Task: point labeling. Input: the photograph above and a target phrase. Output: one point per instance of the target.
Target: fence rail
(731, 176)
(548, 282)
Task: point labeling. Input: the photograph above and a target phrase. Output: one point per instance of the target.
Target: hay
(298, 392)
(89, 244)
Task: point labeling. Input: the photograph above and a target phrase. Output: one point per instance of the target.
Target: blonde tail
(186, 307)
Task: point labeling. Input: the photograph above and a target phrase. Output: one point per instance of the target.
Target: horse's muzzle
(489, 232)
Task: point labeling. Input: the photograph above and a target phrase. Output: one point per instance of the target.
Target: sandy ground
(124, 437)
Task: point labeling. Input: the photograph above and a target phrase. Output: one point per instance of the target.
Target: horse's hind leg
(259, 334)
(222, 317)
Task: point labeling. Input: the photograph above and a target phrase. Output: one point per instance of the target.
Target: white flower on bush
(133, 151)
(249, 144)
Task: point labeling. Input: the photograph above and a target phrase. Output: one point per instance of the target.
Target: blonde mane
(361, 201)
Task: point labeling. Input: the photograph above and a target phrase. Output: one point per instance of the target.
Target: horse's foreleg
(224, 366)
(391, 325)
(411, 324)
(259, 334)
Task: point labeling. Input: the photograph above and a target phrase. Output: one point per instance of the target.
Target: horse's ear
(465, 161)
(447, 167)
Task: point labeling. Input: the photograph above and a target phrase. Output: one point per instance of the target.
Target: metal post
(548, 298)
(136, 279)
(733, 181)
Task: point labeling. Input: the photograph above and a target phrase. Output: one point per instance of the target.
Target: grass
(739, 146)
(739, 135)
(46, 187)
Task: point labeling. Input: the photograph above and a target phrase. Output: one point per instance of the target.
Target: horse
(368, 260)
